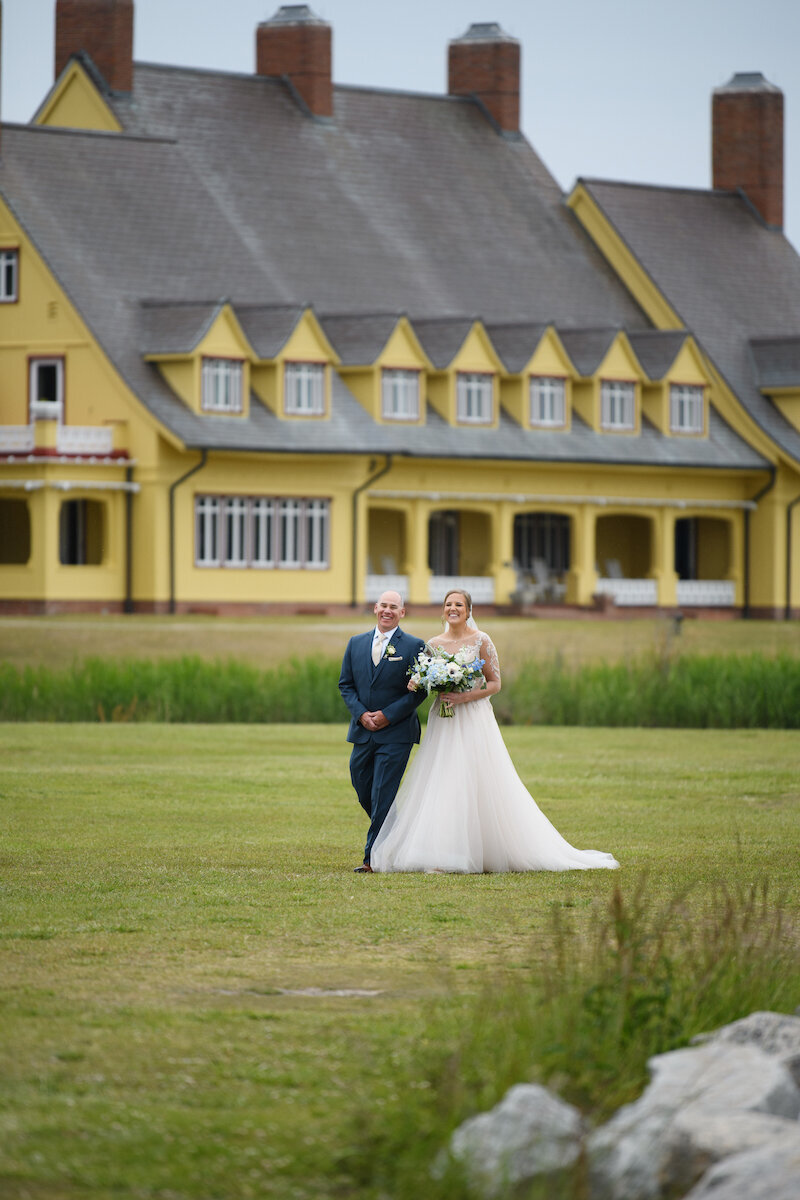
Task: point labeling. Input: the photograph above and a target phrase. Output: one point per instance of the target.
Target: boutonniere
(390, 649)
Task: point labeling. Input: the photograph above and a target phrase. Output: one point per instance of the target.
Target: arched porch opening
(387, 551)
(460, 554)
(704, 561)
(624, 557)
(542, 554)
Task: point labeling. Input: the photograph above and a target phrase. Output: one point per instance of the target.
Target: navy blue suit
(379, 757)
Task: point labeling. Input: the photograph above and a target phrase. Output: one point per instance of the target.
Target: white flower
(465, 655)
(416, 679)
(390, 649)
(454, 672)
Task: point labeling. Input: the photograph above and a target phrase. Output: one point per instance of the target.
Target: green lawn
(60, 641)
(179, 912)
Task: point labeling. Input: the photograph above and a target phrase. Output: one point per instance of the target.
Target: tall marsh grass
(715, 692)
(583, 1020)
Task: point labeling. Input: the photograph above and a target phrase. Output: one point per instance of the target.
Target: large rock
(774, 1033)
(530, 1132)
(772, 1173)
(702, 1104)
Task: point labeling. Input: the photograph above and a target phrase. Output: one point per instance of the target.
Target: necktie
(377, 648)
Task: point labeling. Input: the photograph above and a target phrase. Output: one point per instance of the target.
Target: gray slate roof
(776, 361)
(221, 188)
(729, 278)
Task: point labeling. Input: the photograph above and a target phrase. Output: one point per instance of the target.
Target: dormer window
(400, 390)
(47, 385)
(617, 404)
(9, 271)
(474, 398)
(548, 401)
(304, 389)
(222, 385)
(686, 410)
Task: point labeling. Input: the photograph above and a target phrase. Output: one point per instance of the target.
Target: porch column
(736, 556)
(662, 560)
(48, 522)
(582, 577)
(505, 577)
(416, 567)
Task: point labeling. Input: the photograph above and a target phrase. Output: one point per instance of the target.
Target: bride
(462, 806)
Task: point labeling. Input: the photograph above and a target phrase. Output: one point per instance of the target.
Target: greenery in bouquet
(438, 671)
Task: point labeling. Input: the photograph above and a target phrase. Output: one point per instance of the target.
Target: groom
(384, 723)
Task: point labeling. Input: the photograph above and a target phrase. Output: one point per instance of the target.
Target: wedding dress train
(462, 807)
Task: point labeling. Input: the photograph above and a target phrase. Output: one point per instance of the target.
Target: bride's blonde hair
(457, 592)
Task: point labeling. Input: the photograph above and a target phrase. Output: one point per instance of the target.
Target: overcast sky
(615, 89)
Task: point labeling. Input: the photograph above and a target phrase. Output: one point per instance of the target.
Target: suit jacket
(366, 688)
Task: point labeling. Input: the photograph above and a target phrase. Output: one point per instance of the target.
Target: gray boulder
(530, 1132)
(702, 1104)
(774, 1033)
(771, 1173)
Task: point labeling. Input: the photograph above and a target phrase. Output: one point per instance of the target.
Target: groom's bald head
(389, 610)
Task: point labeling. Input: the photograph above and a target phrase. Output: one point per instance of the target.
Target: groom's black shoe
(366, 869)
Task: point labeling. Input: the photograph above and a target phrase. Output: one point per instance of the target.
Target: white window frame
(686, 408)
(9, 276)
(400, 394)
(548, 401)
(235, 526)
(221, 387)
(264, 532)
(208, 531)
(43, 406)
(474, 397)
(304, 389)
(617, 404)
(316, 523)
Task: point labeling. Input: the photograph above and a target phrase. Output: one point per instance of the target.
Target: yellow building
(269, 343)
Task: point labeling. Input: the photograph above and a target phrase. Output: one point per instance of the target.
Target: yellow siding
(75, 103)
(789, 404)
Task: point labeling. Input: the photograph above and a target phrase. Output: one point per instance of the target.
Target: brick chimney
(297, 44)
(104, 30)
(485, 63)
(747, 142)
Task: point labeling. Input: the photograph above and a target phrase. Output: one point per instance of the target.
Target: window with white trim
(9, 274)
(400, 393)
(474, 397)
(304, 389)
(236, 532)
(261, 531)
(207, 531)
(222, 385)
(617, 404)
(548, 401)
(686, 410)
(47, 382)
(264, 532)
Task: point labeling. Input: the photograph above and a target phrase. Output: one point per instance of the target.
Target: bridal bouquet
(440, 672)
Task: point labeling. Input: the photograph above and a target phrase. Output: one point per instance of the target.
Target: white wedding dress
(462, 807)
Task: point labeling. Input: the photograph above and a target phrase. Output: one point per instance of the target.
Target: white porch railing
(84, 439)
(480, 587)
(631, 592)
(70, 439)
(714, 593)
(376, 585)
(16, 439)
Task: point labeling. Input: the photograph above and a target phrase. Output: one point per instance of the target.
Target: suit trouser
(376, 768)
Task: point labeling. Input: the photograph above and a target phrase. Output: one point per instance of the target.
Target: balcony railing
(84, 439)
(16, 439)
(70, 439)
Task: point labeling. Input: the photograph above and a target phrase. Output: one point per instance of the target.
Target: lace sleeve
(492, 663)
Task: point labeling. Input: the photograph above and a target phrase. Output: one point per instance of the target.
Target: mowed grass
(201, 1000)
(60, 641)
